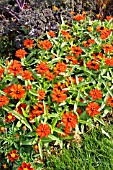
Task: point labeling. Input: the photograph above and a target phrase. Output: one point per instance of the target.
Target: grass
(94, 153)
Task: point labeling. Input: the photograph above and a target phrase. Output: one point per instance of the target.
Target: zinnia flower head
(12, 155)
(95, 94)
(60, 67)
(28, 43)
(17, 91)
(15, 68)
(92, 109)
(109, 61)
(51, 34)
(27, 75)
(43, 130)
(45, 44)
(20, 53)
(25, 166)
(69, 119)
(3, 100)
(42, 68)
(79, 17)
(41, 94)
(10, 118)
(76, 50)
(110, 101)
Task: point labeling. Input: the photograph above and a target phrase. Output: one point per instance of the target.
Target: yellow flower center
(9, 117)
(2, 128)
(13, 155)
(25, 169)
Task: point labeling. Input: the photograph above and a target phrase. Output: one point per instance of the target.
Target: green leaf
(53, 137)
(46, 140)
(40, 149)
(19, 124)
(27, 142)
(54, 122)
(58, 130)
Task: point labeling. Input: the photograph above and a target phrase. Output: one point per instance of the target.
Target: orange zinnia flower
(100, 28)
(27, 75)
(90, 28)
(17, 91)
(69, 119)
(43, 130)
(60, 67)
(41, 94)
(95, 94)
(109, 17)
(58, 95)
(20, 53)
(1, 72)
(92, 109)
(79, 17)
(49, 75)
(109, 61)
(108, 48)
(98, 56)
(105, 34)
(110, 101)
(8, 90)
(3, 100)
(25, 166)
(12, 155)
(88, 42)
(66, 34)
(42, 68)
(76, 50)
(93, 65)
(28, 43)
(46, 44)
(10, 118)
(51, 34)
(72, 59)
(15, 68)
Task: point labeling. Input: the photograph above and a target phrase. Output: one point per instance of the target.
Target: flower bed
(54, 87)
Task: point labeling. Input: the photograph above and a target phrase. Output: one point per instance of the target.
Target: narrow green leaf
(40, 149)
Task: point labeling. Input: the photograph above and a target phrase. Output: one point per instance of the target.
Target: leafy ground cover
(94, 152)
(54, 88)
